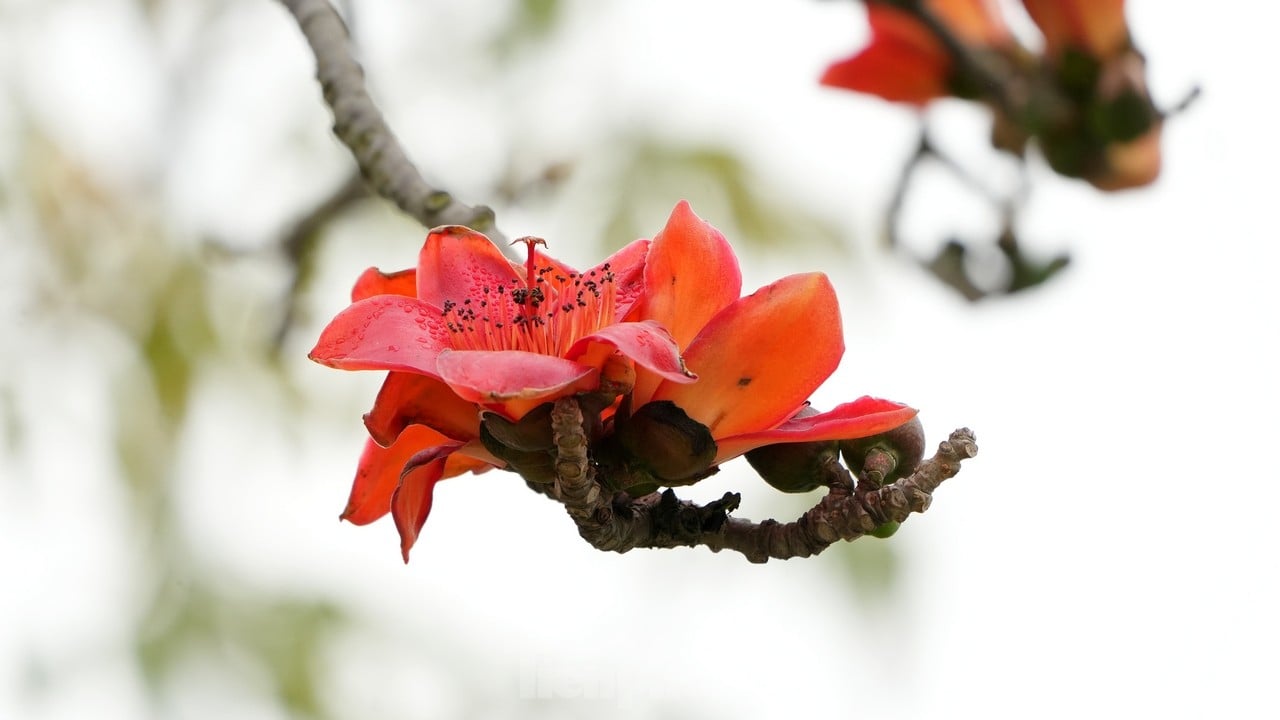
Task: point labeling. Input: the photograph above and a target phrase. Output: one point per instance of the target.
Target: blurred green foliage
(530, 21)
(713, 178)
(873, 568)
(106, 258)
(283, 639)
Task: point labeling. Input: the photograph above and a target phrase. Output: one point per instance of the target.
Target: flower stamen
(546, 314)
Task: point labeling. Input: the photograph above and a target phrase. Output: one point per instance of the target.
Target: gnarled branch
(619, 523)
(359, 125)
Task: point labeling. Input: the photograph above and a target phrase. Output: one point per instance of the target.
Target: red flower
(1084, 100)
(478, 332)
(470, 331)
(1124, 127)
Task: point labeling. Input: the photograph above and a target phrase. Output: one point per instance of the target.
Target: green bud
(636, 483)
(1077, 74)
(1123, 118)
(1070, 151)
(795, 467)
(667, 443)
(881, 459)
(884, 530)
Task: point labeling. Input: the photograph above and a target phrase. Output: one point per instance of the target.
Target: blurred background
(177, 223)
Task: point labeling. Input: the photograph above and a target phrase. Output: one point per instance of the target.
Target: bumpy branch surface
(359, 125)
(620, 523)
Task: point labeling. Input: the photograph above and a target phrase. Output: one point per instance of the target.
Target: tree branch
(359, 125)
(951, 264)
(660, 520)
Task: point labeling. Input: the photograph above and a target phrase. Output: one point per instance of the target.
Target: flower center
(546, 314)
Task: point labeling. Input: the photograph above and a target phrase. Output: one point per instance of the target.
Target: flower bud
(532, 432)
(881, 459)
(795, 467)
(636, 482)
(666, 442)
(526, 446)
(885, 530)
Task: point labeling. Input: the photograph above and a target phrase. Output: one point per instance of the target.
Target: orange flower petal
(513, 381)
(1095, 26)
(690, 275)
(411, 399)
(1131, 165)
(383, 332)
(761, 357)
(375, 282)
(378, 472)
(457, 262)
(863, 417)
(977, 22)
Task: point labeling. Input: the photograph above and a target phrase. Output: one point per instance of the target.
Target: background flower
(1084, 99)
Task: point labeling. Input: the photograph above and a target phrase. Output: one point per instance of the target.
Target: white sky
(1110, 553)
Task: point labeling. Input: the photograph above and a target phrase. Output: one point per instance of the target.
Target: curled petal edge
(411, 502)
(863, 417)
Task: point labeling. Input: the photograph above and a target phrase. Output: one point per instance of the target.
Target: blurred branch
(925, 150)
(299, 243)
(359, 125)
(1184, 104)
(300, 239)
(951, 264)
(660, 520)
